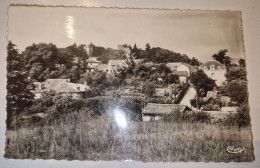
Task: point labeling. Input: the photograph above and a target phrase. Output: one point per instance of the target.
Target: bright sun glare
(70, 27)
(120, 118)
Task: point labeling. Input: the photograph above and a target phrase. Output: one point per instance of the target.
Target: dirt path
(190, 94)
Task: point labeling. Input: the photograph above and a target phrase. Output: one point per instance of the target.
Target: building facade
(215, 70)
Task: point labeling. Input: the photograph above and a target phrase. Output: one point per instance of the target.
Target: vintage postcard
(144, 85)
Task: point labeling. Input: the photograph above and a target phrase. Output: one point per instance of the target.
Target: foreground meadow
(82, 137)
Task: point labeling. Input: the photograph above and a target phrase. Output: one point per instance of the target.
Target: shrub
(189, 116)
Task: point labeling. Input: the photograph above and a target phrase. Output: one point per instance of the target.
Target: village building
(183, 76)
(63, 86)
(92, 64)
(102, 67)
(215, 70)
(153, 111)
(180, 66)
(116, 65)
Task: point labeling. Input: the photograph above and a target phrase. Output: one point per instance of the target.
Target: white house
(215, 70)
(183, 76)
(180, 66)
(92, 63)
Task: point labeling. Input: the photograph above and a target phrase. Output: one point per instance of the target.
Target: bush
(240, 119)
(189, 116)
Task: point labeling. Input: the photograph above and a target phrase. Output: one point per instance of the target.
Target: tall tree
(220, 56)
(242, 62)
(18, 86)
(147, 47)
(202, 82)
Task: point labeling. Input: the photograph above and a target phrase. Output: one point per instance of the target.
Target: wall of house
(184, 68)
(183, 79)
(217, 75)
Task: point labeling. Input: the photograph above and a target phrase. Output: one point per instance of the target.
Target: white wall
(219, 75)
(184, 68)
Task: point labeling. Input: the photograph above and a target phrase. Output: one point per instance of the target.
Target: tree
(148, 88)
(237, 90)
(220, 56)
(147, 47)
(65, 56)
(194, 61)
(18, 86)
(137, 52)
(202, 82)
(111, 54)
(42, 56)
(236, 73)
(172, 78)
(242, 62)
(97, 51)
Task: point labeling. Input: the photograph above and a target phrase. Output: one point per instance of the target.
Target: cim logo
(232, 149)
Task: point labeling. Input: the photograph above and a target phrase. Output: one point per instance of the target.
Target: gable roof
(164, 109)
(212, 62)
(101, 67)
(212, 94)
(191, 67)
(174, 65)
(115, 62)
(59, 85)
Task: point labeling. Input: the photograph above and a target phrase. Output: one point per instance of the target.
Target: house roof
(174, 65)
(212, 94)
(180, 73)
(59, 85)
(92, 61)
(164, 109)
(101, 67)
(115, 62)
(229, 109)
(191, 67)
(212, 62)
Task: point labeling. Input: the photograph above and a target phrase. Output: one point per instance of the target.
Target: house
(102, 67)
(180, 66)
(215, 70)
(212, 94)
(183, 76)
(63, 86)
(92, 64)
(116, 65)
(153, 111)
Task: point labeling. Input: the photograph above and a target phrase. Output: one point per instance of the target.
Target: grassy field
(82, 137)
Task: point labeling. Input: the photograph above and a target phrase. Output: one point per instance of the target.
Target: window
(219, 67)
(212, 75)
(212, 67)
(205, 68)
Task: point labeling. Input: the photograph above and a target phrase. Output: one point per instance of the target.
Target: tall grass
(84, 137)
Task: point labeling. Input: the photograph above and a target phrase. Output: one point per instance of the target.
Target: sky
(196, 33)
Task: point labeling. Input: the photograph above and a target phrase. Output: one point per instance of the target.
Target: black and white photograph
(126, 84)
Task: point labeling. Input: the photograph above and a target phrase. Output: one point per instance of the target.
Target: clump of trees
(160, 55)
(202, 83)
(18, 86)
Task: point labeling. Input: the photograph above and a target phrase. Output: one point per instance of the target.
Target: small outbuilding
(154, 111)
